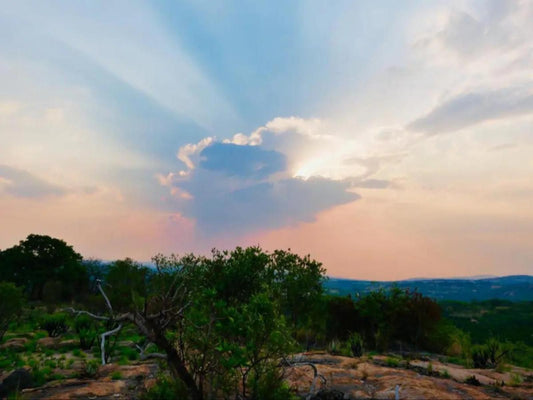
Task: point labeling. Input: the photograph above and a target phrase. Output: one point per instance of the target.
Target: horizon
(385, 140)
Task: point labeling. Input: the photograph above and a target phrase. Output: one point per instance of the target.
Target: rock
(328, 394)
(17, 380)
(16, 344)
(51, 343)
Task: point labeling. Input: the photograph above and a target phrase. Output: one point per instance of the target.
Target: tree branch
(145, 356)
(99, 285)
(103, 336)
(79, 312)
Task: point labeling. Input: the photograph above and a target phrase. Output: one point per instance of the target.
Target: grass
(116, 375)
(392, 362)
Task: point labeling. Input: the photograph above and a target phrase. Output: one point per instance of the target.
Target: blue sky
(354, 131)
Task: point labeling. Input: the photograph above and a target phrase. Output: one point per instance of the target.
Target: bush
(116, 375)
(11, 301)
(90, 369)
(270, 386)
(86, 329)
(166, 389)
(392, 362)
(54, 324)
(356, 344)
(489, 355)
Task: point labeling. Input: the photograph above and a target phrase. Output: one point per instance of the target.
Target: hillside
(513, 288)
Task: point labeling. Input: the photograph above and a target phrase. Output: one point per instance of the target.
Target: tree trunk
(178, 367)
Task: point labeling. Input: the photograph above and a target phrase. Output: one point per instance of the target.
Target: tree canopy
(41, 261)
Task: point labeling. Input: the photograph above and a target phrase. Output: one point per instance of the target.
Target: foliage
(224, 321)
(11, 302)
(356, 344)
(55, 324)
(166, 389)
(490, 354)
(90, 369)
(127, 281)
(484, 319)
(385, 320)
(41, 259)
(87, 330)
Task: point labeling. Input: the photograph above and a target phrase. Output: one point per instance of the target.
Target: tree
(220, 321)
(11, 302)
(41, 259)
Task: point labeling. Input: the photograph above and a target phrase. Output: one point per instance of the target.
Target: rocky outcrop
(17, 380)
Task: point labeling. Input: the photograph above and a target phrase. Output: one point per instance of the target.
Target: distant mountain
(514, 287)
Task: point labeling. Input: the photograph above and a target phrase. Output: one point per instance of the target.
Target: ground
(358, 378)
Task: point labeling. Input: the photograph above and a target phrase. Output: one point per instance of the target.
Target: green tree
(127, 283)
(41, 259)
(11, 302)
(223, 322)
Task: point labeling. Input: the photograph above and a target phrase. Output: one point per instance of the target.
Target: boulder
(17, 380)
(16, 344)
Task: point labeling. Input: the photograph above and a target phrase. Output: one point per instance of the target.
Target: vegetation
(224, 326)
(11, 301)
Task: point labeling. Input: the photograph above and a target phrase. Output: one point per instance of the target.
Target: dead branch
(80, 312)
(316, 375)
(146, 356)
(99, 285)
(103, 336)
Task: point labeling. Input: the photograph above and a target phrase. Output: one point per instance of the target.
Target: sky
(386, 139)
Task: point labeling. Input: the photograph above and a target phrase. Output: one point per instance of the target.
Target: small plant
(116, 375)
(430, 368)
(356, 344)
(333, 347)
(54, 324)
(90, 369)
(445, 374)
(392, 362)
(515, 380)
(166, 389)
(86, 329)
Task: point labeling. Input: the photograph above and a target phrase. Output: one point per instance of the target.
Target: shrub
(270, 386)
(116, 375)
(86, 329)
(356, 344)
(11, 301)
(490, 354)
(54, 324)
(515, 380)
(166, 389)
(90, 369)
(392, 362)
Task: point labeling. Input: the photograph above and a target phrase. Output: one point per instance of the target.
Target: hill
(513, 288)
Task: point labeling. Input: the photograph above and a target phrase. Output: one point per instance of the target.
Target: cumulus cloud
(250, 182)
(473, 107)
(20, 183)
(244, 161)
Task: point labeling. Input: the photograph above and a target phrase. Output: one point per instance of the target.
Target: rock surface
(17, 380)
(343, 378)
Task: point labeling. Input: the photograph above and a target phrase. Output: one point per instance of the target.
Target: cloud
(20, 183)
(261, 205)
(242, 160)
(471, 108)
(251, 182)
